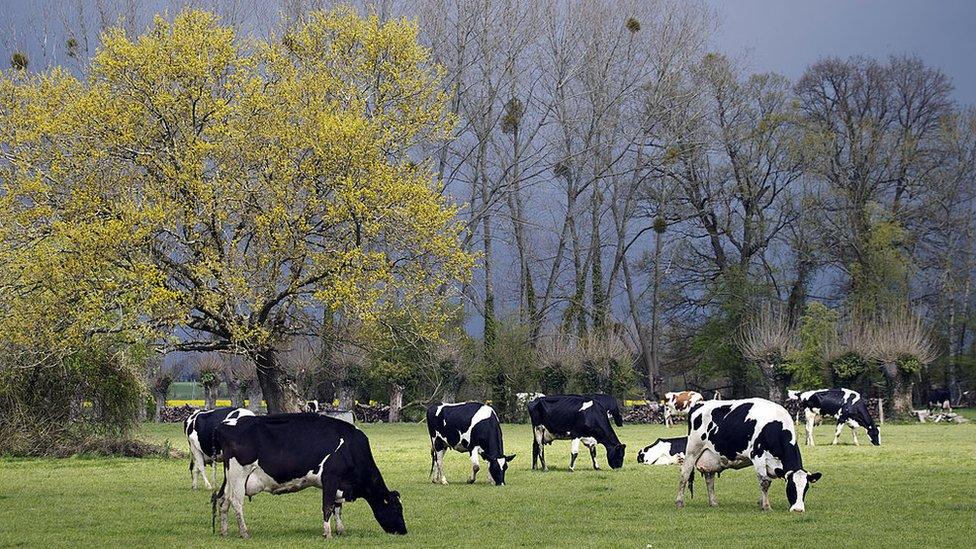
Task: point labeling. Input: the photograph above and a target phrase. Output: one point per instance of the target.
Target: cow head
(389, 513)
(875, 434)
(797, 484)
(497, 468)
(615, 456)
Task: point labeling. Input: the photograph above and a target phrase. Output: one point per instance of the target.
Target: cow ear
(778, 472)
(509, 458)
(814, 477)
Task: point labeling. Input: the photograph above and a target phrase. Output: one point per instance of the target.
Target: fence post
(881, 411)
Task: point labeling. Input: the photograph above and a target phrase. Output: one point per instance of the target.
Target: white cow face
(797, 484)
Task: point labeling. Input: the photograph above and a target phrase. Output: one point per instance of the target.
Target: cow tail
(214, 498)
(691, 483)
(432, 458)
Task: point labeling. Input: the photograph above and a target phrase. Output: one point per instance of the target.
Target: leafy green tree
(226, 188)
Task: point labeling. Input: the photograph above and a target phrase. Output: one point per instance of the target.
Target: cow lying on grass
(290, 452)
(733, 434)
(664, 451)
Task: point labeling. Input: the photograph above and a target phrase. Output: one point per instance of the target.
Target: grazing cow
(845, 405)
(664, 451)
(286, 453)
(608, 402)
(679, 404)
(470, 427)
(576, 418)
(940, 398)
(199, 429)
(732, 434)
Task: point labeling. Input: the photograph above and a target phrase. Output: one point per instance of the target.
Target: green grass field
(914, 490)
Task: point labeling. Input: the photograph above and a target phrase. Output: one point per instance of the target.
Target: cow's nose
(796, 509)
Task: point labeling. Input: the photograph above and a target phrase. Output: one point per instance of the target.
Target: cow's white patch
(586, 405)
(482, 414)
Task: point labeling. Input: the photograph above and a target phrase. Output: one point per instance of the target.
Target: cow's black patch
(696, 423)
(734, 431)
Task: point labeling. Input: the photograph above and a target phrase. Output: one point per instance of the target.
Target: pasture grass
(914, 490)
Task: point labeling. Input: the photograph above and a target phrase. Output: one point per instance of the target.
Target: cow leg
(330, 484)
(687, 471)
(811, 417)
(591, 444)
(439, 456)
(475, 466)
(573, 452)
(854, 434)
(541, 444)
(710, 486)
(668, 422)
(764, 484)
(340, 527)
(235, 491)
(200, 468)
(535, 450)
(840, 427)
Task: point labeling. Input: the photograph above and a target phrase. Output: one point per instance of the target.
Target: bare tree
(766, 339)
(902, 346)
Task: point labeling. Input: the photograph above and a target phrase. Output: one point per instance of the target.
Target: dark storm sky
(785, 36)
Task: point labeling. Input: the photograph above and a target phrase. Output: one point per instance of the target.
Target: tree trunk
(396, 402)
(253, 395)
(347, 397)
(160, 398)
(775, 383)
(279, 390)
(237, 390)
(209, 396)
(900, 385)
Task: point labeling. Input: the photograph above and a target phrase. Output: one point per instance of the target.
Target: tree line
(442, 199)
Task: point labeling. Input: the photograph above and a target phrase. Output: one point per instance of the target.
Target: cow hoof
(713, 504)
(245, 535)
(444, 481)
(679, 504)
(470, 481)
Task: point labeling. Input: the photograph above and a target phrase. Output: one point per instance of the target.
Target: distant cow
(576, 418)
(678, 404)
(664, 451)
(470, 427)
(733, 434)
(940, 398)
(845, 405)
(199, 429)
(286, 453)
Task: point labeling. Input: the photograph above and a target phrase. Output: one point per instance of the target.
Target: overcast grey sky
(787, 35)
(783, 36)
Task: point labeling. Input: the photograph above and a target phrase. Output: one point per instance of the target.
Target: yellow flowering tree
(223, 194)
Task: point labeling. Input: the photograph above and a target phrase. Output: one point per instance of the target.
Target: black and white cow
(733, 434)
(576, 418)
(664, 451)
(845, 405)
(940, 399)
(470, 427)
(285, 453)
(199, 429)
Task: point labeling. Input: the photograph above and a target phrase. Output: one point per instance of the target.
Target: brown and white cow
(679, 404)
